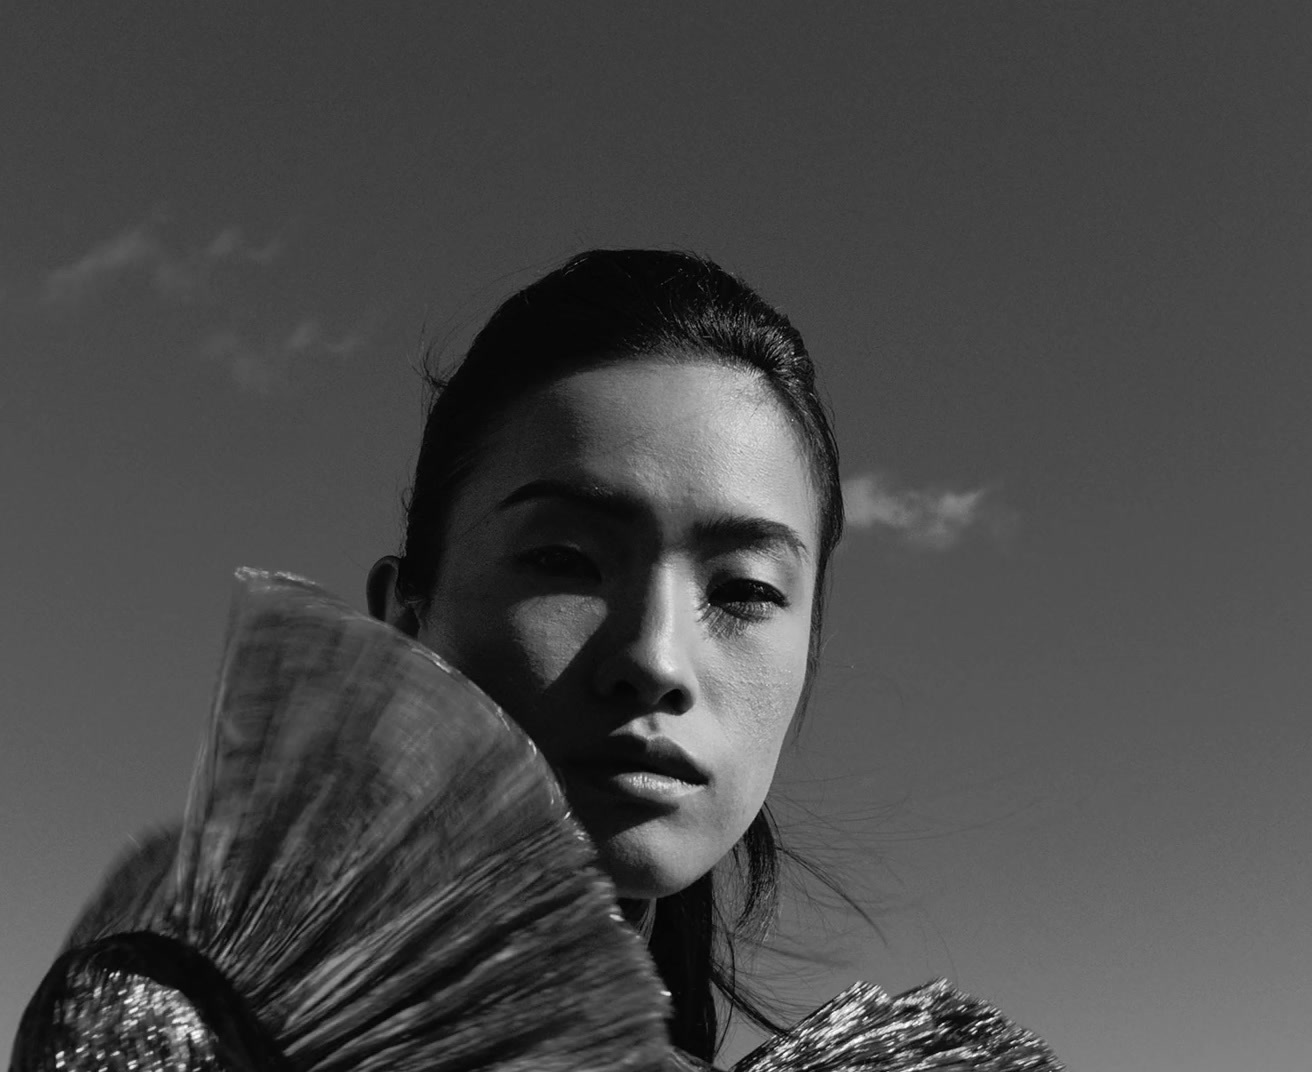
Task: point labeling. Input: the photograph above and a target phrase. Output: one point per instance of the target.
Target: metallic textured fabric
(935, 1028)
(121, 1022)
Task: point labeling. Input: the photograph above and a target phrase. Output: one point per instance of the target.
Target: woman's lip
(629, 783)
(630, 752)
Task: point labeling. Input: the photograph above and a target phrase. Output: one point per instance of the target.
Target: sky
(1053, 261)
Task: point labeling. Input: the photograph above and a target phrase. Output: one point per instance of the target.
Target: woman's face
(629, 572)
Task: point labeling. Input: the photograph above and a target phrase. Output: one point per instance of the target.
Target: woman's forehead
(664, 411)
(695, 436)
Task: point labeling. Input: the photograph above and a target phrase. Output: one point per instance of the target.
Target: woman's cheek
(544, 686)
(758, 697)
(546, 633)
(765, 682)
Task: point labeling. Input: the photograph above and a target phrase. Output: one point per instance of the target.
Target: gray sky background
(1054, 261)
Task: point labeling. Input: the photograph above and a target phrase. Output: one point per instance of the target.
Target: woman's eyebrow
(734, 531)
(752, 533)
(590, 496)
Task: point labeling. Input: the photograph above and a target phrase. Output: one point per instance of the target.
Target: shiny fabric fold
(934, 1027)
(379, 862)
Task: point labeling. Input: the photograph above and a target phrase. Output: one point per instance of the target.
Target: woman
(624, 508)
(625, 504)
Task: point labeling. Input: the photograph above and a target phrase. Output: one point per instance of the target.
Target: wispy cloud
(263, 355)
(268, 367)
(309, 336)
(134, 250)
(935, 519)
(230, 244)
(139, 252)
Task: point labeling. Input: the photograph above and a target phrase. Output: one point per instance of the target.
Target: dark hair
(599, 307)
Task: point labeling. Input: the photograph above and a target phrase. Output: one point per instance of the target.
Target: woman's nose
(648, 663)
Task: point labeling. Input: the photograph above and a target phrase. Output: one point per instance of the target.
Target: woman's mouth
(648, 770)
(629, 784)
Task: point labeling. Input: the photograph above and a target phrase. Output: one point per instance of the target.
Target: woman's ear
(383, 596)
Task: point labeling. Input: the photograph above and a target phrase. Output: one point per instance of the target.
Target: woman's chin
(651, 847)
(645, 864)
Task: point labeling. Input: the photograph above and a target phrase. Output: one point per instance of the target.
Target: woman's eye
(748, 599)
(560, 561)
